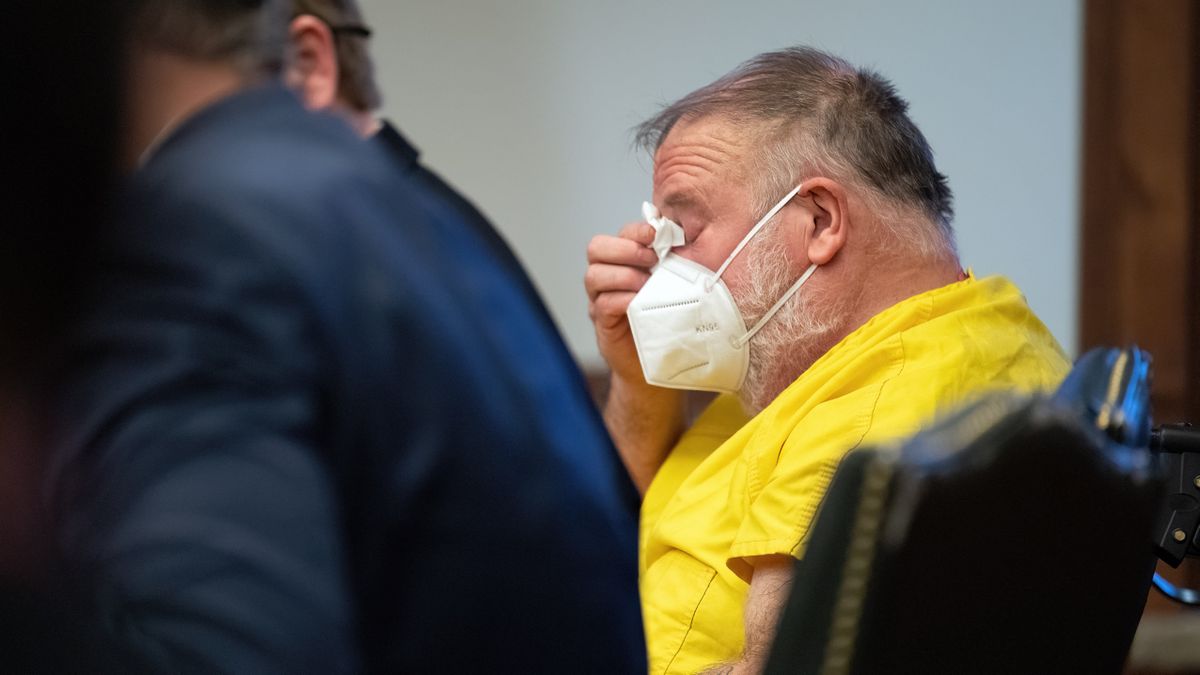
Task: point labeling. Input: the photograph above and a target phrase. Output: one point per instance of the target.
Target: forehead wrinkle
(688, 166)
(697, 166)
(695, 154)
(707, 148)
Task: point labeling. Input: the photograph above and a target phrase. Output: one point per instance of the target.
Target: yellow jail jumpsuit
(733, 488)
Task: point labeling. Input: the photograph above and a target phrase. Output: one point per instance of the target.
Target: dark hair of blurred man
(310, 424)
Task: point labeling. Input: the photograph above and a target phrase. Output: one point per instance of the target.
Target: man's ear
(313, 69)
(825, 199)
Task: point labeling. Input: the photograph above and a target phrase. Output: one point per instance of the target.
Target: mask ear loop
(709, 284)
(739, 342)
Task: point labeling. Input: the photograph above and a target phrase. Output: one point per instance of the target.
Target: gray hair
(812, 113)
(250, 34)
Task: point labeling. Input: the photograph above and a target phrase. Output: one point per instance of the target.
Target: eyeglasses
(351, 29)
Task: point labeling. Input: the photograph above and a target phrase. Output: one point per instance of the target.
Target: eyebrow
(682, 199)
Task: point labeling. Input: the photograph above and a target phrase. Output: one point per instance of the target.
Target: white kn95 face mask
(686, 326)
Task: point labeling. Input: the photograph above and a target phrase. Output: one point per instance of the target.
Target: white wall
(526, 106)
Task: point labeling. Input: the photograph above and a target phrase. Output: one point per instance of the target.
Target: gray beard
(792, 340)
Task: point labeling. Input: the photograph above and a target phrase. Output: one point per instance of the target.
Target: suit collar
(397, 145)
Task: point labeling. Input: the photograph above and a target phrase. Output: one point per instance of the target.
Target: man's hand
(645, 421)
(618, 267)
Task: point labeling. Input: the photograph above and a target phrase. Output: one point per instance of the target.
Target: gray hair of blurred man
(356, 81)
(250, 34)
(809, 113)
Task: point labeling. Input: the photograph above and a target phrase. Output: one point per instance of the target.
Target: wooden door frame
(1140, 229)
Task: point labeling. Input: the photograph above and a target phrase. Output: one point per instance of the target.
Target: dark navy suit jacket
(312, 424)
(450, 205)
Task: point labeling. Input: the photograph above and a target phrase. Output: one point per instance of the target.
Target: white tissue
(667, 233)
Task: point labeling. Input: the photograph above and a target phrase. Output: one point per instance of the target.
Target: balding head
(801, 113)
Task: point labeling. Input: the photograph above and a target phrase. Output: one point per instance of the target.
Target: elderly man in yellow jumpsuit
(797, 257)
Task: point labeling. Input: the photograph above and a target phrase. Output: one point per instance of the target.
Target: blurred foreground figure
(59, 163)
(307, 426)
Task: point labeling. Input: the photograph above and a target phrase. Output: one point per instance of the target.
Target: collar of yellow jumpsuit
(734, 488)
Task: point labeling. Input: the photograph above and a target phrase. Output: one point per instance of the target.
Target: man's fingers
(618, 267)
(608, 310)
(620, 251)
(603, 278)
(640, 231)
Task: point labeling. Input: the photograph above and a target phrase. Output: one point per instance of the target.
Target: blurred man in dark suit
(311, 424)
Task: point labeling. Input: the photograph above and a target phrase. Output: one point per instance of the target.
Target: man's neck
(886, 281)
(895, 280)
(164, 91)
(366, 125)
(363, 122)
